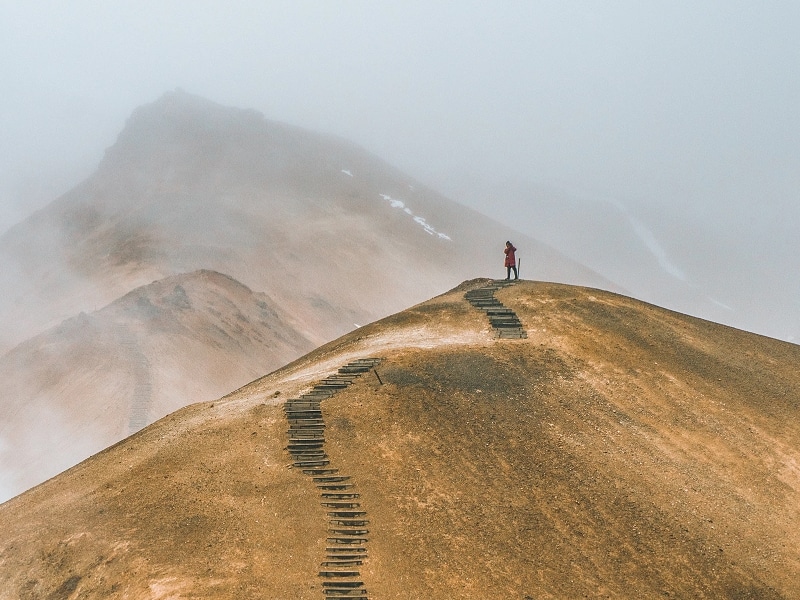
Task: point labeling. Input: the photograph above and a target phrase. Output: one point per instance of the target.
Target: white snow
(651, 243)
(347, 172)
(644, 234)
(720, 304)
(427, 227)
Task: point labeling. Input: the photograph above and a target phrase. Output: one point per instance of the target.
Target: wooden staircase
(503, 320)
(345, 549)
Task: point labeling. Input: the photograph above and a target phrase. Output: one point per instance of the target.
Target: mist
(680, 116)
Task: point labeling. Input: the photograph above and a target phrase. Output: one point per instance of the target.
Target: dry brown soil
(621, 451)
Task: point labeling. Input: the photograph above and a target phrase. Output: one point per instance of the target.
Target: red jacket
(511, 259)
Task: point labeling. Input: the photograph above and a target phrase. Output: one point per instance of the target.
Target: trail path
(143, 386)
(347, 537)
(347, 520)
(502, 319)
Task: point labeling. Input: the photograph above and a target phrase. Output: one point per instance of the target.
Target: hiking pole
(519, 262)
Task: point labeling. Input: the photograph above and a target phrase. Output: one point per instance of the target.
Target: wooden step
(308, 435)
(335, 550)
(348, 532)
(333, 386)
(318, 395)
(364, 361)
(335, 486)
(512, 334)
(320, 471)
(347, 540)
(311, 463)
(347, 514)
(309, 454)
(336, 379)
(506, 325)
(305, 425)
(346, 556)
(354, 370)
(344, 589)
(340, 495)
(306, 442)
(303, 414)
(340, 505)
(333, 592)
(341, 563)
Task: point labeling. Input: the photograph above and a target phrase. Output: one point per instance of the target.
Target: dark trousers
(508, 272)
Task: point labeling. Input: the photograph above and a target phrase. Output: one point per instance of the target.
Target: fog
(681, 113)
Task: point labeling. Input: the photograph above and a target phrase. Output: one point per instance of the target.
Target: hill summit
(612, 449)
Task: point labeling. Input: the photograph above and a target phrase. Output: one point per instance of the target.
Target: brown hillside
(620, 451)
(97, 378)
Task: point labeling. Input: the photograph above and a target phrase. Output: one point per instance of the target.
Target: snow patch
(720, 304)
(644, 234)
(651, 243)
(427, 227)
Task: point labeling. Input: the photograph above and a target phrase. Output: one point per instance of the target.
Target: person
(511, 261)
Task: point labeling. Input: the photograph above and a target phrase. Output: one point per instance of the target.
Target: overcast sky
(683, 103)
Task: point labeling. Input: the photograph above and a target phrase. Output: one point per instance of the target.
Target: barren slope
(620, 451)
(96, 378)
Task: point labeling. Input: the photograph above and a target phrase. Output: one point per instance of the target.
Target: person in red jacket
(511, 260)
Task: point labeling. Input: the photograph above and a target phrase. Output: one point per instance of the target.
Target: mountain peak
(179, 120)
(179, 105)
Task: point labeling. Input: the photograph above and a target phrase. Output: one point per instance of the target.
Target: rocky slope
(619, 451)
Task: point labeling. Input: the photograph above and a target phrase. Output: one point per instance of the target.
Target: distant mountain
(96, 378)
(620, 451)
(334, 236)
